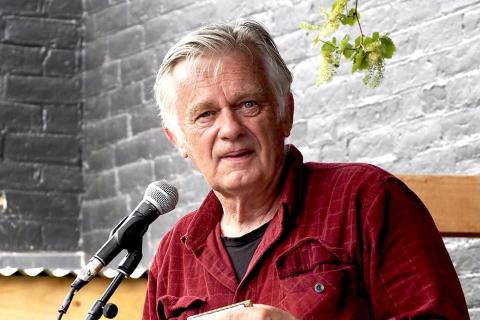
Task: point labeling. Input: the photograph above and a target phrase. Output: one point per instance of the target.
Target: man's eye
(249, 104)
(249, 108)
(204, 115)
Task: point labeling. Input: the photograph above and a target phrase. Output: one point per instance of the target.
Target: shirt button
(319, 287)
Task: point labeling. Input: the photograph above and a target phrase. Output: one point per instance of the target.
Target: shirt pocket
(173, 307)
(316, 279)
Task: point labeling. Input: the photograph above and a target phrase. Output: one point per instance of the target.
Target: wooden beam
(24, 297)
(453, 201)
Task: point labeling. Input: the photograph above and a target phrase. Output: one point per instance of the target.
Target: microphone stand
(125, 269)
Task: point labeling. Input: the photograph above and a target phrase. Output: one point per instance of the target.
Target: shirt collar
(210, 211)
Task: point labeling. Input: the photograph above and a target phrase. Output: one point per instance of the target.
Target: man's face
(228, 115)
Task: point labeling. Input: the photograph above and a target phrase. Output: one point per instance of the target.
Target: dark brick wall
(40, 124)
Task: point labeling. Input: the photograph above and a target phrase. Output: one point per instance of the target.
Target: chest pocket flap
(308, 254)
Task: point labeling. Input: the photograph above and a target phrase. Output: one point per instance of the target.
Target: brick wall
(40, 116)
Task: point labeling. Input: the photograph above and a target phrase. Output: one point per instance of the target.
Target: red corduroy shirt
(349, 241)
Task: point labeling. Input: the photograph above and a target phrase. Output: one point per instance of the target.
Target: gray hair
(217, 38)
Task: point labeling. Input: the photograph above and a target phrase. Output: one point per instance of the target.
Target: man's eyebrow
(254, 92)
(198, 107)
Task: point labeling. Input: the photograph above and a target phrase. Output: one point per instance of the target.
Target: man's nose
(230, 124)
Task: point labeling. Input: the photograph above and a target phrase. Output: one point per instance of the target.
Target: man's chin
(237, 183)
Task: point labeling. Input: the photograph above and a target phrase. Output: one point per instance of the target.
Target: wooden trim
(24, 297)
(453, 201)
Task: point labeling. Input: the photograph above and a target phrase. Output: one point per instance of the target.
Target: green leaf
(351, 18)
(344, 42)
(358, 40)
(316, 39)
(367, 40)
(327, 49)
(388, 47)
(375, 36)
(353, 13)
(334, 41)
(358, 60)
(348, 51)
(365, 63)
(350, 21)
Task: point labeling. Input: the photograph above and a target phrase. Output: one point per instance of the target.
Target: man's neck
(248, 209)
(244, 214)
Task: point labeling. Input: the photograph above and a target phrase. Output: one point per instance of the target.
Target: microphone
(159, 198)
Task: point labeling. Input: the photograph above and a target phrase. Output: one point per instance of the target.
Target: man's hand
(257, 312)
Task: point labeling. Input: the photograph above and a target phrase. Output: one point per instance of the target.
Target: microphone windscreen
(163, 194)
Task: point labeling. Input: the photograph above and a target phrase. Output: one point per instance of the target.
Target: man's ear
(288, 117)
(179, 143)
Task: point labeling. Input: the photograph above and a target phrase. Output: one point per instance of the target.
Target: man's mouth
(237, 154)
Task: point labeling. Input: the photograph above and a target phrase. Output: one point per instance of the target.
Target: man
(302, 241)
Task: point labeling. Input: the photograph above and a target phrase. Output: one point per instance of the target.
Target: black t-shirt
(241, 249)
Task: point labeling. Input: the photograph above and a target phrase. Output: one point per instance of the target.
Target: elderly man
(301, 240)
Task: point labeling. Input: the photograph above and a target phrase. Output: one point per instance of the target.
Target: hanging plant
(367, 53)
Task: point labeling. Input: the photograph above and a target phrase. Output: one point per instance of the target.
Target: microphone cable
(66, 303)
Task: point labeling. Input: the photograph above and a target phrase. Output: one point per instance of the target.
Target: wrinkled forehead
(211, 65)
(231, 80)
(219, 67)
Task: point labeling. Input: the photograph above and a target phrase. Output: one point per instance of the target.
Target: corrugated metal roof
(58, 272)
(56, 264)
